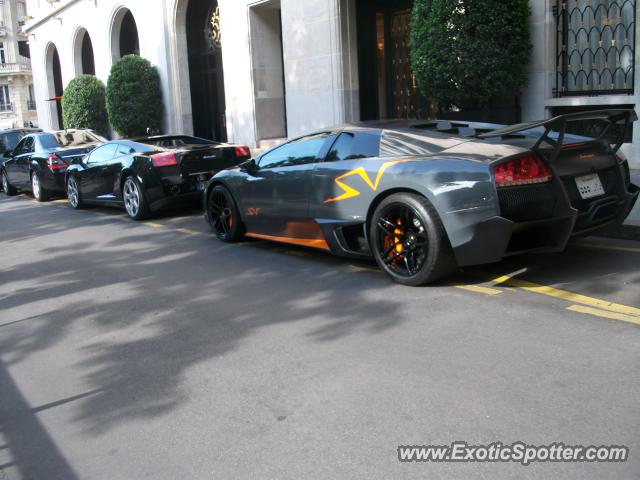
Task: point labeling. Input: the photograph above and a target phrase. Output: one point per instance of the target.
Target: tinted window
(350, 146)
(8, 141)
(102, 154)
(28, 145)
(20, 147)
(298, 152)
(122, 150)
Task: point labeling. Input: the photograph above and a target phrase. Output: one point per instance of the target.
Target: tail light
(54, 163)
(621, 157)
(525, 170)
(243, 151)
(160, 160)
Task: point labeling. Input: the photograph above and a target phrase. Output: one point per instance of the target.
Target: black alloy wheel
(223, 215)
(408, 240)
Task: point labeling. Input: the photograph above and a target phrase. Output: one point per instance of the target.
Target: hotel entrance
(388, 88)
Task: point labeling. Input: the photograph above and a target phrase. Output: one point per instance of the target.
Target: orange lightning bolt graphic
(350, 192)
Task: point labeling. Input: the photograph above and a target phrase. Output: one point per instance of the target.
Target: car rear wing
(616, 123)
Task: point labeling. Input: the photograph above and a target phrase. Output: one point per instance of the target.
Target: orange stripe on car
(305, 242)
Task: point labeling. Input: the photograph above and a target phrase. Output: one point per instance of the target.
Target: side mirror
(250, 166)
(7, 153)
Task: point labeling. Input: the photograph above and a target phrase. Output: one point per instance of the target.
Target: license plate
(589, 186)
(200, 186)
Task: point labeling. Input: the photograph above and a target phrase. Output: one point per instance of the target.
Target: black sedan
(40, 160)
(148, 174)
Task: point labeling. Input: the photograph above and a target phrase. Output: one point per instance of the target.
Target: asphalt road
(151, 350)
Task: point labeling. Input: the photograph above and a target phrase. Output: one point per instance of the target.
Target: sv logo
(253, 212)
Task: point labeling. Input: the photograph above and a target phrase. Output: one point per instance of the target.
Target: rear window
(70, 138)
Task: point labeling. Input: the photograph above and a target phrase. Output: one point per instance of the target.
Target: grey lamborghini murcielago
(425, 197)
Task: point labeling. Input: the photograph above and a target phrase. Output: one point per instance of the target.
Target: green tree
(469, 53)
(83, 104)
(134, 97)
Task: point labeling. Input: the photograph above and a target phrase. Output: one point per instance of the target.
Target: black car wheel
(223, 215)
(40, 193)
(408, 240)
(73, 193)
(6, 186)
(135, 202)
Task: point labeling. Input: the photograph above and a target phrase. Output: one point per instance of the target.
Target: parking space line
(604, 314)
(480, 289)
(605, 247)
(187, 231)
(568, 296)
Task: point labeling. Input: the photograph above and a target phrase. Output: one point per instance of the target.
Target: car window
(24, 147)
(298, 152)
(28, 145)
(102, 154)
(9, 141)
(123, 150)
(19, 148)
(350, 146)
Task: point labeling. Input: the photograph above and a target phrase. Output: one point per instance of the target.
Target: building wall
(59, 26)
(16, 71)
(538, 98)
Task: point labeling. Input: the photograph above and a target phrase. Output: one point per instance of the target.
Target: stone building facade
(258, 71)
(17, 105)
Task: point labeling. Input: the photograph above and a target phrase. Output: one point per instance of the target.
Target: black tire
(223, 215)
(9, 190)
(135, 200)
(408, 240)
(73, 193)
(39, 193)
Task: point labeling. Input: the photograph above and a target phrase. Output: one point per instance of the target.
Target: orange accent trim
(350, 192)
(305, 242)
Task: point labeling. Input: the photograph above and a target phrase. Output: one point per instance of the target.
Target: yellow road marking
(479, 289)
(59, 201)
(604, 314)
(566, 295)
(606, 247)
(152, 224)
(188, 231)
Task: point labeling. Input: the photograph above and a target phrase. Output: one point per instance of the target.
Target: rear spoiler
(614, 117)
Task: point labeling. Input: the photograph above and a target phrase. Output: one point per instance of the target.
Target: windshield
(70, 138)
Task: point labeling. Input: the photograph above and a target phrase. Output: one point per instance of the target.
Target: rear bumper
(499, 237)
(53, 181)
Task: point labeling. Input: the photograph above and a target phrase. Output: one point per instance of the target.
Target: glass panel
(298, 152)
(595, 47)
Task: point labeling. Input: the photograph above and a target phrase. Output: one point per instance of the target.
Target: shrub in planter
(134, 97)
(469, 53)
(83, 104)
